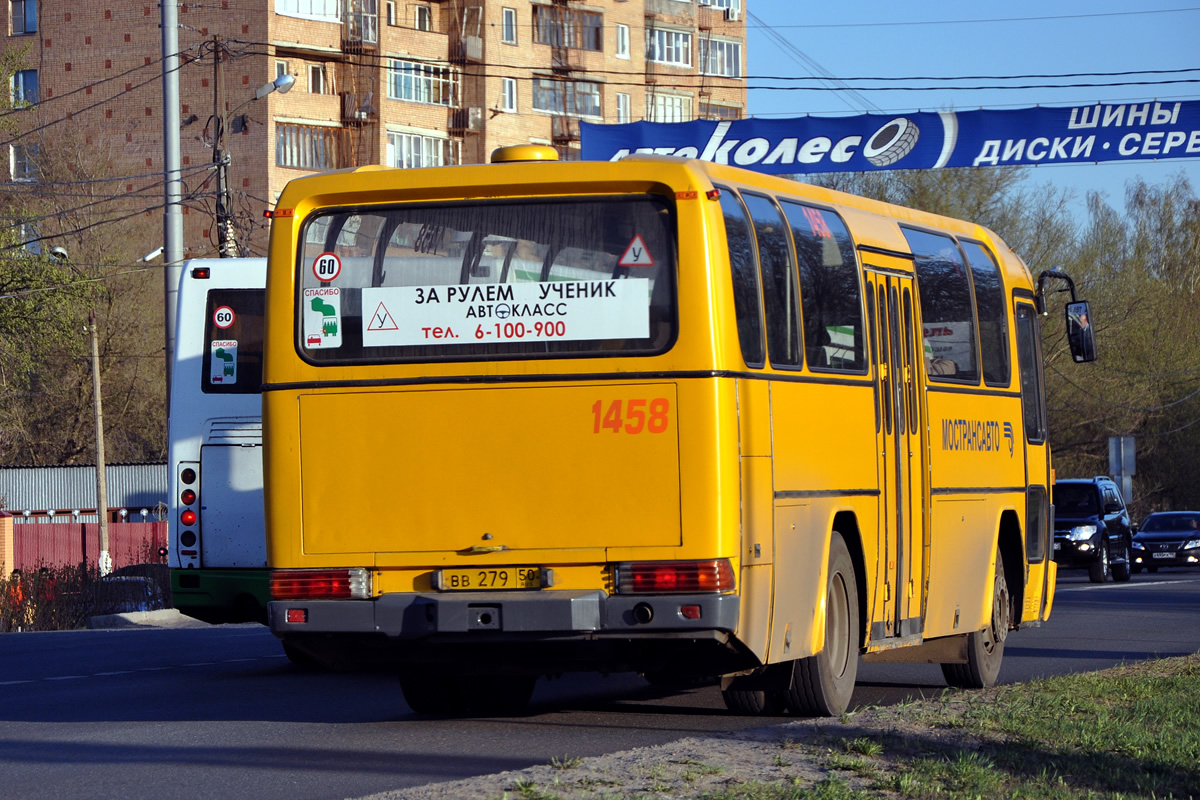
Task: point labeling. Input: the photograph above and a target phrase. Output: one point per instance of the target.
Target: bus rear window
(233, 342)
(491, 279)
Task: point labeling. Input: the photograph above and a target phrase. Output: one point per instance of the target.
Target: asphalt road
(218, 711)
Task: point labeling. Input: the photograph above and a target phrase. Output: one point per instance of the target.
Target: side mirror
(1081, 333)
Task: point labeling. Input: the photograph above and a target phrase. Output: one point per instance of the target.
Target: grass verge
(1128, 732)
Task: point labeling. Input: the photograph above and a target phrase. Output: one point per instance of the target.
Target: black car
(1092, 528)
(1167, 539)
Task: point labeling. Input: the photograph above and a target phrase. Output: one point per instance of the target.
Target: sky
(873, 39)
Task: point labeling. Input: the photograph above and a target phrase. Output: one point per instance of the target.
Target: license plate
(477, 579)
(1162, 555)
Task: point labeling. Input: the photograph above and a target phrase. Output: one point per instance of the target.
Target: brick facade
(99, 67)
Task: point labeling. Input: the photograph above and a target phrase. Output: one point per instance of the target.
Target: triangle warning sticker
(382, 320)
(636, 254)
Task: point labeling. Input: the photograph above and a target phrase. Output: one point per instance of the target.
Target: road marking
(140, 669)
(1128, 585)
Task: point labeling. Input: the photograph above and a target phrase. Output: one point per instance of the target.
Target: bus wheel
(497, 694)
(985, 649)
(822, 684)
(753, 702)
(430, 693)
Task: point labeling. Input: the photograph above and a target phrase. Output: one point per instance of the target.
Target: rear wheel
(1099, 572)
(985, 649)
(753, 702)
(1121, 572)
(450, 694)
(822, 684)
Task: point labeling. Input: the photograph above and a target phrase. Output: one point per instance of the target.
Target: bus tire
(497, 695)
(753, 702)
(433, 694)
(985, 649)
(822, 684)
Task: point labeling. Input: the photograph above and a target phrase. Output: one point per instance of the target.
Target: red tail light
(188, 517)
(187, 497)
(321, 584)
(675, 577)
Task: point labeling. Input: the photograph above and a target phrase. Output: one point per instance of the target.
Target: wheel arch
(1012, 555)
(846, 523)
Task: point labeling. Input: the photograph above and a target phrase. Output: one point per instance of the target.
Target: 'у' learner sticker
(223, 369)
(636, 254)
(322, 318)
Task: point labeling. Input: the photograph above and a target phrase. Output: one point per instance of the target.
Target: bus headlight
(1081, 532)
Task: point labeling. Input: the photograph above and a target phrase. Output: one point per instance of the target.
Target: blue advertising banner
(926, 140)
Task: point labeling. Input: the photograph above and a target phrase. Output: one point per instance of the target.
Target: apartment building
(403, 83)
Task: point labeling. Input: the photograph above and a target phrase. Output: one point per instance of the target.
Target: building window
(423, 83)
(624, 109)
(717, 111)
(562, 27)
(576, 98)
(414, 150)
(669, 47)
(24, 87)
(508, 30)
(312, 147)
(719, 57)
(389, 10)
(668, 108)
(22, 162)
(316, 78)
(734, 4)
(323, 10)
(281, 69)
(622, 41)
(362, 21)
(23, 14)
(508, 99)
(422, 18)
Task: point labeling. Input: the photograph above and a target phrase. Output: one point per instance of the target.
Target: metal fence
(65, 543)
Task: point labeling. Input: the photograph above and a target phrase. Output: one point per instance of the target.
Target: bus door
(900, 599)
(1039, 590)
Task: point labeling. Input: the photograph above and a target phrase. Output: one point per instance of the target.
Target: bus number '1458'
(638, 415)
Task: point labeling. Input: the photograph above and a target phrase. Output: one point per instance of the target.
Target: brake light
(187, 497)
(321, 584)
(675, 577)
(188, 517)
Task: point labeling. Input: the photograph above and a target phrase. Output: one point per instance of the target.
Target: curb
(161, 618)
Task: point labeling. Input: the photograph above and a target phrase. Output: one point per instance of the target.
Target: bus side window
(947, 313)
(830, 298)
(778, 279)
(1029, 363)
(993, 319)
(743, 267)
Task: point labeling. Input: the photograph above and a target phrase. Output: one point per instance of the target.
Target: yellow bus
(655, 415)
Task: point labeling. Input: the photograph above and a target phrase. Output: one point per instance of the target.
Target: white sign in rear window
(502, 312)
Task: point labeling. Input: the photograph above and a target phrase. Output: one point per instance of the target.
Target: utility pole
(101, 478)
(226, 238)
(173, 185)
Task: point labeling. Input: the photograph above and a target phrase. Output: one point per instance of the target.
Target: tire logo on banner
(892, 142)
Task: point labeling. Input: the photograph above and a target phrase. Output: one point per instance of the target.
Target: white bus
(217, 550)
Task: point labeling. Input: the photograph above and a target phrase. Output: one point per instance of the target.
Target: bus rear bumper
(415, 615)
